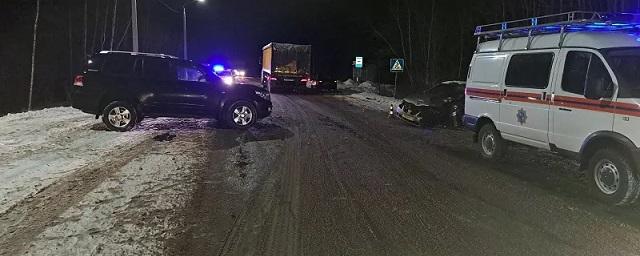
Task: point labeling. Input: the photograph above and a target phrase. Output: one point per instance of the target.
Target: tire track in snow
(24, 221)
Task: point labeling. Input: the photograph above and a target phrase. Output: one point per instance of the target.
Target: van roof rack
(561, 23)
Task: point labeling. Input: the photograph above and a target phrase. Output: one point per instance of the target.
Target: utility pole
(113, 23)
(184, 30)
(134, 24)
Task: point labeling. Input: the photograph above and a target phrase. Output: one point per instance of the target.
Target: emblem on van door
(522, 116)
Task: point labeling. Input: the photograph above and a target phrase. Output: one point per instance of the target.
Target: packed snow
(134, 212)
(39, 147)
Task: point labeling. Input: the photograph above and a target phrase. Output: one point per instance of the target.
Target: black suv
(124, 87)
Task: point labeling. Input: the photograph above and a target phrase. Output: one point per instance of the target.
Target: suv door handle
(565, 109)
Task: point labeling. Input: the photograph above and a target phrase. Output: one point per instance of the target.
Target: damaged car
(440, 106)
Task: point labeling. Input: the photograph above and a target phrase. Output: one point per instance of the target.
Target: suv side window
(119, 64)
(580, 68)
(158, 69)
(189, 73)
(529, 70)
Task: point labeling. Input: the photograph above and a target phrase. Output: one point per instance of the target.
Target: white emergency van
(569, 83)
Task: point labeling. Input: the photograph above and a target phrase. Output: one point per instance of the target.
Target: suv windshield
(625, 64)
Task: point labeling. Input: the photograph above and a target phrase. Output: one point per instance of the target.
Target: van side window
(529, 70)
(581, 67)
(487, 69)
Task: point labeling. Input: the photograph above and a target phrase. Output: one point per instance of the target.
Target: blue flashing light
(218, 68)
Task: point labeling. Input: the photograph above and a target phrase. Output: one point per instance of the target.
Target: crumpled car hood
(419, 100)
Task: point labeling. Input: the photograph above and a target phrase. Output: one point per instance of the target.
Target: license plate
(289, 80)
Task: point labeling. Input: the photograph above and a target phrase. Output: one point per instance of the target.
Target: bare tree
(84, 40)
(33, 53)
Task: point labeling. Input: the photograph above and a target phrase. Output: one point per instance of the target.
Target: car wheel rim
(607, 177)
(119, 117)
(489, 144)
(242, 115)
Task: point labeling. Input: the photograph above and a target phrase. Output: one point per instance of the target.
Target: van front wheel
(613, 178)
(492, 146)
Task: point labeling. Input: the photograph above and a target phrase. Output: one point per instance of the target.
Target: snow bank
(39, 147)
(369, 87)
(371, 101)
(349, 84)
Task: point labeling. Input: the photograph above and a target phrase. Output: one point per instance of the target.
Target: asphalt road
(324, 177)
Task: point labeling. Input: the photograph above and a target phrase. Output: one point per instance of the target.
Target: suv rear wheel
(241, 115)
(119, 116)
(613, 177)
(492, 146)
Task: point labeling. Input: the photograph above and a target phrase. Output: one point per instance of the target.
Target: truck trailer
(286, 66)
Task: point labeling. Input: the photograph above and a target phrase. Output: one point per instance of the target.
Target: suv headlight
(264, 95)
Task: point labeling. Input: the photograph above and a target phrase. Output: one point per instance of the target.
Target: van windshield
(625, 63)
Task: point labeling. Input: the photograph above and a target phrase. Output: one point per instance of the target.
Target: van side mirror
(599, 88)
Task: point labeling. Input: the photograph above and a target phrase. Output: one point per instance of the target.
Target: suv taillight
(78, 81)
(273, 78)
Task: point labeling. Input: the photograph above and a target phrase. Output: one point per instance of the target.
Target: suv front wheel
(241, 115)
(613, 177)
(119, 116)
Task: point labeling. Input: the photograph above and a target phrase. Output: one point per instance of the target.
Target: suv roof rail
(160, 55)
(561, 23)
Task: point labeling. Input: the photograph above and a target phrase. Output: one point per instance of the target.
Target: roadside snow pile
(346, 85)
(371, 101)
(367, 87)
(39, 147)
(361, 87)
(370, 87)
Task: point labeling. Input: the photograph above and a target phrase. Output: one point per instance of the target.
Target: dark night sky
(237, 30)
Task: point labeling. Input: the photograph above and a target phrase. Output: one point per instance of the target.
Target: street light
(184, 24)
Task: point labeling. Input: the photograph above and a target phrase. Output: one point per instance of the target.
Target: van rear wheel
(492, 146)
(613, 178)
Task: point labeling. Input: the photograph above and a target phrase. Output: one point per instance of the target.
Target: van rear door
(524, 112)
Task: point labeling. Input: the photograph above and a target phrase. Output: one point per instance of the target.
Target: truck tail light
(304, 80)
(78, 81)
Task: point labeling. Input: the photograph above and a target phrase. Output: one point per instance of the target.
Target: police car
(569, 83)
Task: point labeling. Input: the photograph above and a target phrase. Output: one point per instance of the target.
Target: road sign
(396, 65)
(359, 62)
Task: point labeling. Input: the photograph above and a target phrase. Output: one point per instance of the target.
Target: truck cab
(572, 87)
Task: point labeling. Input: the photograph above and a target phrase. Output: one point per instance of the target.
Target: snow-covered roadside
(371, 101)
(38, 148)
(368, 96)
(133, 212)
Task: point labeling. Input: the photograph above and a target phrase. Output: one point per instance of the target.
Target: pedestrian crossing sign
(397, 65)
